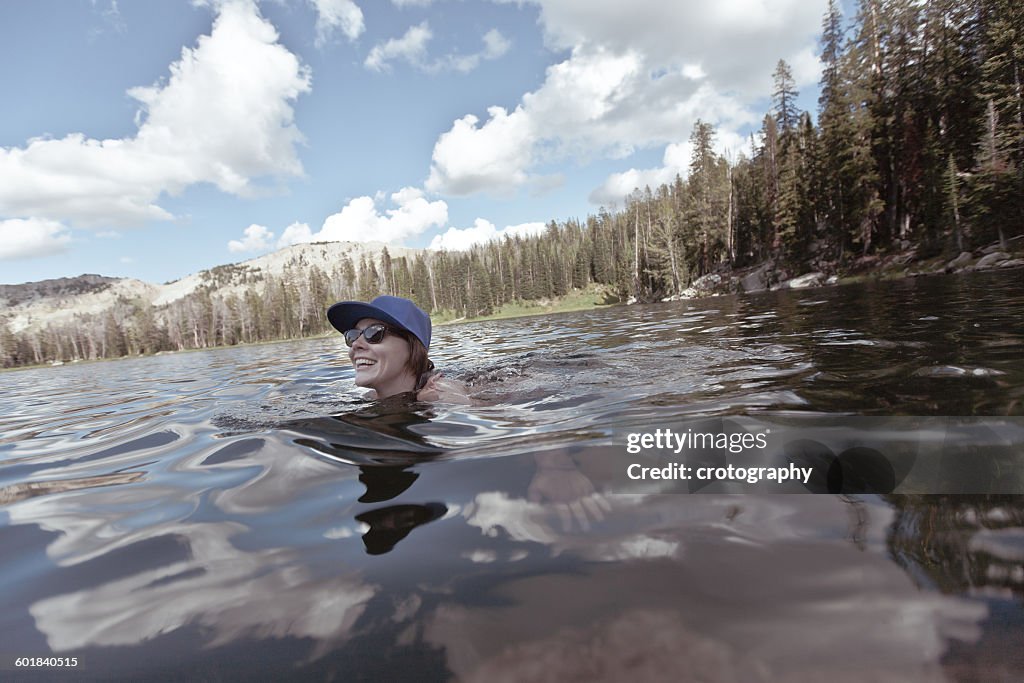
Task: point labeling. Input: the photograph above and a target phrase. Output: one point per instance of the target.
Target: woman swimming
(388, 340)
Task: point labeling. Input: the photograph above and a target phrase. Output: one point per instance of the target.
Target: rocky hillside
(35, 304)
(13, 295)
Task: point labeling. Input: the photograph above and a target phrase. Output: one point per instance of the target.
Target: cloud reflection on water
(239, 532)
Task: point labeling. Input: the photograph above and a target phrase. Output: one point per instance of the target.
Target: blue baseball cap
(394, 310)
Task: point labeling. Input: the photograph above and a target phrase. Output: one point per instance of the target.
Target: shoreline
(751, 280)
(901, 265)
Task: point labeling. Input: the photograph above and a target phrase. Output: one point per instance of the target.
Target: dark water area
(245, 514)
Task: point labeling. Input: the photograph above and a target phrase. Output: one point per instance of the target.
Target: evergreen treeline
(919, 144)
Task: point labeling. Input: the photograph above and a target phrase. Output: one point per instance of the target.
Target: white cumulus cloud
(361, 221)
(296, 233)
(412, 49)
(257, 238)
(495, 46)
(456, 239)
(620, 185)
(26, 238)
(337, 15)
(737, 42)
(224, 116)
(638, 76)
(494, 157)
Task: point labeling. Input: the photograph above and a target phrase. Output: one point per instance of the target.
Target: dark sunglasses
(373, 334)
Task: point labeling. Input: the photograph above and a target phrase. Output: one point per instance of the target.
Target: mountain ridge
(37, 304)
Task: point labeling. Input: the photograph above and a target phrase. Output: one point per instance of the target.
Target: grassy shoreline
(595, 296)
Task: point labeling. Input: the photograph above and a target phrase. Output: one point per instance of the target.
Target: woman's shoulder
(444, 390)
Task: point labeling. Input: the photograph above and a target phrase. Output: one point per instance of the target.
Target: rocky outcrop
(991, 259)
(808, 280)
(707, 285)
(960, 262)
(756, 280)
(13, 295)
(904, 263)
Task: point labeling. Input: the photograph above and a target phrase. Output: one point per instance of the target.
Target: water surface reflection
(242, 513)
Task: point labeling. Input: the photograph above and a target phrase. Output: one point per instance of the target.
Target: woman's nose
(359, 343)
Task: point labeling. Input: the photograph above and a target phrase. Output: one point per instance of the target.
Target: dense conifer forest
(917, 146)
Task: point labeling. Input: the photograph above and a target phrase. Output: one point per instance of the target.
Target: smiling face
(382, 366)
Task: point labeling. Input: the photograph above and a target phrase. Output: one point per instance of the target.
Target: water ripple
(250, 501)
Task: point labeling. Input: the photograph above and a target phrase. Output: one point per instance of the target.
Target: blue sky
(154, 139)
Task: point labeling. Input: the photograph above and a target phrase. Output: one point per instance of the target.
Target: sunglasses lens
(373, 334)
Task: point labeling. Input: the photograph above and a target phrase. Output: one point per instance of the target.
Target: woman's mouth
(363, 362)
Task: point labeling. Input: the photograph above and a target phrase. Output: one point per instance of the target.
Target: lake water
(243, 513)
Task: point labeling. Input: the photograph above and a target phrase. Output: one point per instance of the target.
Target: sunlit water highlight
(244, 513)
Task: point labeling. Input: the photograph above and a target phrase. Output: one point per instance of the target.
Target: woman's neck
(400, 385)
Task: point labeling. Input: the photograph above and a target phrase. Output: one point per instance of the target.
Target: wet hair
(418, 363)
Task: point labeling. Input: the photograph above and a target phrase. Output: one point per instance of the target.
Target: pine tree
(8, 345)
(953, 195)
(421, 284)
(479, 286)
(770, 166)
(995, 189)
(834, 107)
(665, 263)
(784, 96)
(864, 78)
(367, 287)
(1002, 77)
(996, 196)
(787, 212)
(706, 223)
(387, 276)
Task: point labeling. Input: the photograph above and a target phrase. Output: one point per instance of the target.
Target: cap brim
(345, 314)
